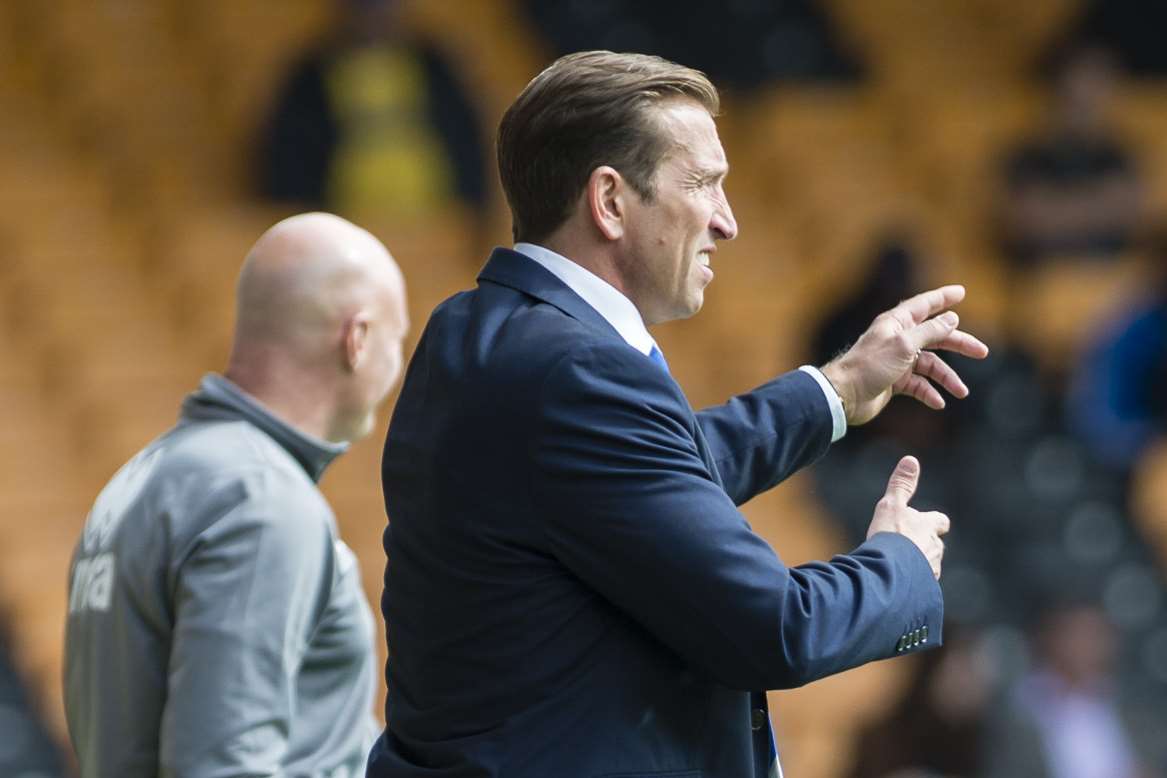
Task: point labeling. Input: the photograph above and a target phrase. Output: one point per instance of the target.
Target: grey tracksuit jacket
(217, 625)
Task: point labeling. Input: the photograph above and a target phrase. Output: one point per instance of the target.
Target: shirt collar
(218, 399)
(616, 309)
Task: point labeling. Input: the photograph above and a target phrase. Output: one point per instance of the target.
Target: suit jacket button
(924, 634)
(757, 719)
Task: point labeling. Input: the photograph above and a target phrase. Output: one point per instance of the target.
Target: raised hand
(894, 356)
(893, 514)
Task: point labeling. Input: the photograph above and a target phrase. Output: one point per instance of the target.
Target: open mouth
(706, 271)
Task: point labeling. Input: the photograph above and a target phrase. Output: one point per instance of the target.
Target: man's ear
(607, 198)
(356, 335)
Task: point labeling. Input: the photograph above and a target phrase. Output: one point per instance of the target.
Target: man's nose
(723, 224)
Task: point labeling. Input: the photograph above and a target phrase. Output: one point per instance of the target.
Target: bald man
(217, 625)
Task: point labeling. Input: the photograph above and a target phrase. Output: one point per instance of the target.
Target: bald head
(320, 312)
(305, 275)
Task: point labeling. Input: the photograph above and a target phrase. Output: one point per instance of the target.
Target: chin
(696, 301)
(359, 429)
(690, 308)
(366, 427)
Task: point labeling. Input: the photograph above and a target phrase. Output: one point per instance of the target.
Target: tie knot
(657, 356)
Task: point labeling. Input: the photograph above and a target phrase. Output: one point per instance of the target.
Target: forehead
(694, 136)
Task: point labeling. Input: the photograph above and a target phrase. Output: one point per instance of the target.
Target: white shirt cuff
(838, 415)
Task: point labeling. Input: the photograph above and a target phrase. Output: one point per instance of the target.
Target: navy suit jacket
(570, 588)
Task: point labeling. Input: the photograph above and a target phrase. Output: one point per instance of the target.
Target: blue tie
(656, 356)
(775, 765)
(761, 710)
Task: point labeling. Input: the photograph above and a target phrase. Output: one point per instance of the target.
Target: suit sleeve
(629, 507)
(246, 600)
(760, 438)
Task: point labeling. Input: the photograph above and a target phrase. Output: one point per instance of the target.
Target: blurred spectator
(1074, 188)
(373, 122)
(1117, 402)
(893, 274)
(755, 42)
(937, 727)
(26, 748)
(892, 277)
(1063, 719)
(1131, 29)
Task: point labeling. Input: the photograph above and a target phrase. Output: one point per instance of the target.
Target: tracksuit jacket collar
(218, 399)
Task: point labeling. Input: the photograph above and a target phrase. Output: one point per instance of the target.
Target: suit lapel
(512, 269)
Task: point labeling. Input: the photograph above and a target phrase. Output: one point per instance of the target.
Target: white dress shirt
(619, 311)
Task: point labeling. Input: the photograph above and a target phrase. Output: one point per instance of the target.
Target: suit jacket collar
(512, 269)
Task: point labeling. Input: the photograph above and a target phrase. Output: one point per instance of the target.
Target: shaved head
(320, 313)
(307, 273)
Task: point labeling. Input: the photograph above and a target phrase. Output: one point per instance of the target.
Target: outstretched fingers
(935, 330)
(933, 367)
(926, 304)
(919, 388)
(930, 368)
(960, 342)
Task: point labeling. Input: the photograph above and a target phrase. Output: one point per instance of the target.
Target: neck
(596, 259)
(290, 393)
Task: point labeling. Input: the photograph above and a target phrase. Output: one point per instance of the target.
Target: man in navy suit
(571, 589)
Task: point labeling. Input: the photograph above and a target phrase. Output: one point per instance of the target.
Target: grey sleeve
(246, 599)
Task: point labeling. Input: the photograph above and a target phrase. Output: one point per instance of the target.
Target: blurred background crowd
(878, 147)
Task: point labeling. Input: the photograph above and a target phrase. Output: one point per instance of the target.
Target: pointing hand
(895, 356)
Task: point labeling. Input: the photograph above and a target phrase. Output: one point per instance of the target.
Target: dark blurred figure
(1063, 720)
(1132, 29)
(27, 749)
(892, 275)
(938, 726)
(892, 272)
(373, 122)
(1118, 403)
(1074, 188)
(741, 45)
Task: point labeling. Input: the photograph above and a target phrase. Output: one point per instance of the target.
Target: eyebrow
(706, 173)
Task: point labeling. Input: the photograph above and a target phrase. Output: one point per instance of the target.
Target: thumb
(902, 484)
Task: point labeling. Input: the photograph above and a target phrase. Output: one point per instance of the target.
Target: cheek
(393, 366)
